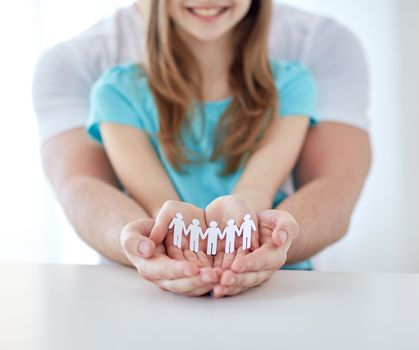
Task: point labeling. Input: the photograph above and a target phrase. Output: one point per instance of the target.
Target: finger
(184, 285)
(255, 242)
(161, 267)
(240, 252)
(160, 250)
(228, 260)
(192, 286)
(219, 291)
(210, 275)
(238, 283)
(218, 260)
(175, 253)
(134, 238)
(200, 291)
(230, 291)
(267, 257)
(233, 280)
(192, 257)
(161, 226)
(203, 258)
(279, 237)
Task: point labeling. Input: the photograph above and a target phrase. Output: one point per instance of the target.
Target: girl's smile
(208, 13)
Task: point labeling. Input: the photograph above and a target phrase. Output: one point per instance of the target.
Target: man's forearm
(82, 178)
(323, 210)
(330, 174)
(98, 212)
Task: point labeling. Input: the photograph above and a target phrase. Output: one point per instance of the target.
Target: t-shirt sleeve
(338, 63)
(297, 91)
(65, 73)
(112, 100)
(60, 92)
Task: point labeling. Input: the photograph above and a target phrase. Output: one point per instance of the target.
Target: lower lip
(208, 18)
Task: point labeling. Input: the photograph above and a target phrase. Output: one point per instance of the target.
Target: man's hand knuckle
(144, 273)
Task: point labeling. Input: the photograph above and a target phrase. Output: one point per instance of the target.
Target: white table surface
(59, 307)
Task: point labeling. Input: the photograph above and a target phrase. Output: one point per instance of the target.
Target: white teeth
(208, 12)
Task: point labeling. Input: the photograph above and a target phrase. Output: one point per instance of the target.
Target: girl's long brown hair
(174, 78)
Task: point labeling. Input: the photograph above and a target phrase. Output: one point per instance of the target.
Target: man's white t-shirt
(66, 72)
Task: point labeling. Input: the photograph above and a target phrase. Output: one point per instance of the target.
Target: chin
(207, 35)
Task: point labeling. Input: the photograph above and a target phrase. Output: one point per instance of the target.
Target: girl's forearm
(268, 168)
(138, 167)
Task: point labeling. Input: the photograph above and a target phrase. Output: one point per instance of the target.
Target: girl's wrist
(159, 203)
(258, 200)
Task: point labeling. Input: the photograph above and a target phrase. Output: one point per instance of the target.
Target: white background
(385, 231)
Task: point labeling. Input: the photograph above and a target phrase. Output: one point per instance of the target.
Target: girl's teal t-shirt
(122, 95)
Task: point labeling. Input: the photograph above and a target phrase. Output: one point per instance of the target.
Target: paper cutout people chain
(213, 233)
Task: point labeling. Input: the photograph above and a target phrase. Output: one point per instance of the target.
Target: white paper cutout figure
(179, 229)
(230, 234)
(213, 232)
(246, 228)
(196, 231)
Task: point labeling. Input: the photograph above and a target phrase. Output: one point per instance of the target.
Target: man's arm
(104, 217)
(86, 187)
(330, 174)
(336, 157)
(332, 167)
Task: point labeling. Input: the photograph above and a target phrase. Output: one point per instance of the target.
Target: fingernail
(144, 248)
(284, 236)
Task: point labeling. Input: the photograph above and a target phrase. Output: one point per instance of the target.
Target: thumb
(134, 238)
(160, 227)
(279, 237)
